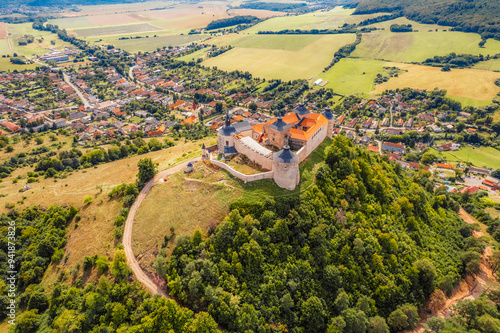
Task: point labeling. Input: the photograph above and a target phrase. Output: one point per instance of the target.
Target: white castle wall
(264, 161)
(239, 175)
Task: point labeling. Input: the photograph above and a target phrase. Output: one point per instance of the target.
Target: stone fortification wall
(239, 175)
(315, 141)
(302, 154)
(266, 162)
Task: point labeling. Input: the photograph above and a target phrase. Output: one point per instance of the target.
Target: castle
(296, 135)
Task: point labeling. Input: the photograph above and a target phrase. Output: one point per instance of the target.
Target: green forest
(361, 250)
(470, 16)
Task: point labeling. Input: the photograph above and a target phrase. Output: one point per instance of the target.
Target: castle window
(227, 143)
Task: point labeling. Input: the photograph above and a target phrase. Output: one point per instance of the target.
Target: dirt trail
(151, 283)
(470, 287)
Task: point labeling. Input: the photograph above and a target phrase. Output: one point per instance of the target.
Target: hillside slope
(466, 15)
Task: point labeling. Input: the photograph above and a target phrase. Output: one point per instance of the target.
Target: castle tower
(225, 140)
(286, 168)
(327, 113)
(301, 110)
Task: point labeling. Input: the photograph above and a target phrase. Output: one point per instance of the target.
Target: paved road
(131, 73)
(127, 233)
(78, 92)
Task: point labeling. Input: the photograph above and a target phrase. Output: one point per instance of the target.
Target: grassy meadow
(490, 65)
(316, 20)
(286, 63)
(351, 76)
(185, 202)
(483, 157)
(115, 30)
(421, 45)
(35, 48)
(94, 232)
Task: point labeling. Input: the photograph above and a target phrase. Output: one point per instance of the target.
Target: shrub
(87, 200)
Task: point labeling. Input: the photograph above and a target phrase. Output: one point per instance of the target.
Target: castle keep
(296, 135)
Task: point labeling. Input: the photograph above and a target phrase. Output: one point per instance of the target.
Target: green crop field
(284, 64)
(318, 20)
(470, 101)
(351, 76)
(491, 65)
(116, 30)
(4, 47)
(275, 42)
(418, 46)
(483, 157)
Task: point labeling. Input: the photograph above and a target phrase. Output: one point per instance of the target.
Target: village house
(397, 147)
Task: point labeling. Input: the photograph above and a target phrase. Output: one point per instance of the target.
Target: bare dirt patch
(3, 30)
(469, 288)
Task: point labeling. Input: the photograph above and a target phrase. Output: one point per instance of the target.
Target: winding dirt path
(132, 262)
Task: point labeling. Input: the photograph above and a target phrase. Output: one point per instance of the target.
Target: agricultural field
(351, 76)
(332, 19)
(6, 65)
(483, 157)
(490, 65)
(115, 30)
(153, 43)
(37, 47)
(3, 30)
(468, 83)
(259, 55)
(421, 45)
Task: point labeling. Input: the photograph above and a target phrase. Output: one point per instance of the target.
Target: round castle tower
(225, 138)
(327, 113)
(286, 168)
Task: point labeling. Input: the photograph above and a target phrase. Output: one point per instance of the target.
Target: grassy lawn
(135, 119)
(282, 64)
(317, 20)
(469, 83)
(351, 76)
(418, 46)
(487, 157)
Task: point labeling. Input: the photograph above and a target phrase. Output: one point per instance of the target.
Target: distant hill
(465, 15)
